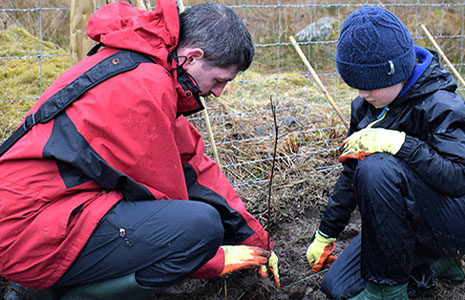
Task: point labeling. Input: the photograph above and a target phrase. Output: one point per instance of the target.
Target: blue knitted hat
(374, 50)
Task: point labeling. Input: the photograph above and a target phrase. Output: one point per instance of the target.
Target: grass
(241, 118)
(21, 78)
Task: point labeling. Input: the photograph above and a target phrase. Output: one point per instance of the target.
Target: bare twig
(273, 110)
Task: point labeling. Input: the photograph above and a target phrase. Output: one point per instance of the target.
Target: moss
(20, 77)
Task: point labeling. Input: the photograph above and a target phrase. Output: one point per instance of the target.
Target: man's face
(381, 97)
(210, 80)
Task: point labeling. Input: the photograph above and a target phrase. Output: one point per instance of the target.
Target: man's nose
(217, 90)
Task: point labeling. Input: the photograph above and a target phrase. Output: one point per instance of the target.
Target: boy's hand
(319, 252)
(370, 140)
(272, 265)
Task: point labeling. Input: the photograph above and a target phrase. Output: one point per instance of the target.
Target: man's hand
(370, 140)
(318, 253)
(272, 266)
(243, 258)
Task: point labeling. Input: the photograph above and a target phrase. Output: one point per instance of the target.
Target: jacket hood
(428, 77)
(120, 25)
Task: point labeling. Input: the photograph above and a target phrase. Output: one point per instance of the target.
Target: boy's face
(381, 97)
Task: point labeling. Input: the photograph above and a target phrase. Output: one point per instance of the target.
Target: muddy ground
(296, 278)
(296, 211)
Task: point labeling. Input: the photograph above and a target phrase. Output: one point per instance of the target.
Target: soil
(294, 220)
(297, 281)
(296, 213)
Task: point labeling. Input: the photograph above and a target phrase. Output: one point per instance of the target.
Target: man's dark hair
(219, 32)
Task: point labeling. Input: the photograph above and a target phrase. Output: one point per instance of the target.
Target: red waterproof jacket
(124, 138)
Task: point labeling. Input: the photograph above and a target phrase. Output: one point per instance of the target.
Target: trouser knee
(378, 173)
(200, 235)
(206, 228)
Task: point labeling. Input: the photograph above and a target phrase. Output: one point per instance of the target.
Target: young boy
(404, 166)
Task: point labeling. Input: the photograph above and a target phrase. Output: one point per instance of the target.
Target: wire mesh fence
(34, 51)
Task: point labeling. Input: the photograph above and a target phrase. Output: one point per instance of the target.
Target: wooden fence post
(80, 43)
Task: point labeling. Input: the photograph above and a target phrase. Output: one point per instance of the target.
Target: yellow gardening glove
(318, 253)
(370, 140)
(243, 258)
(272, 266)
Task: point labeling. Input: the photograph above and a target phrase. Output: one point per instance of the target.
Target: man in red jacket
(106, 192)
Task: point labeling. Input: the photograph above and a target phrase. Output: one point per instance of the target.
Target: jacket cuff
(328, 231)
(409, 147)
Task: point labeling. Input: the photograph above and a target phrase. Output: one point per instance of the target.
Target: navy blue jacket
(432, 115)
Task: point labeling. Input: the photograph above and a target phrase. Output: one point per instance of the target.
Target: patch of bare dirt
(296, 213)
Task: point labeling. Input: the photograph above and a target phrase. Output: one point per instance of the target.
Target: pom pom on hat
(374, 50)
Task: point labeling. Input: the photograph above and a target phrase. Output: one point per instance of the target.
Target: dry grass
(309, 130)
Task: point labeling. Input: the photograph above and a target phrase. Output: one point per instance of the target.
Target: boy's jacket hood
(154, 33)
(433, 77)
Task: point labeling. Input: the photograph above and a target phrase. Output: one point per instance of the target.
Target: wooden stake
(210, 132)
(140, 4)
(318, 81)
(147, 5)
(205, 112)
(80, 43)
(444, 57)
(180, 6)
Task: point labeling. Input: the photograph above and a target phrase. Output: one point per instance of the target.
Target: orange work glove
(319, 252)
(272, 266)
(243, 258)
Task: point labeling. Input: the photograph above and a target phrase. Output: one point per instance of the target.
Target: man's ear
(191, 54)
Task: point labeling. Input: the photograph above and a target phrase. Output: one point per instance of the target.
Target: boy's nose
(363, 94)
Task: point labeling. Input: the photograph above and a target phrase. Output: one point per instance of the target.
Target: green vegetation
(20, 78)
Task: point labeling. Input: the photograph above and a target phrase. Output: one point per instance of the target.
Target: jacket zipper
(380, 117)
